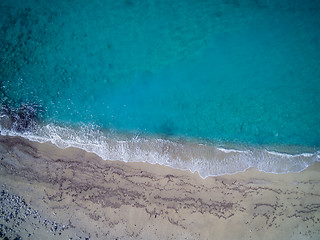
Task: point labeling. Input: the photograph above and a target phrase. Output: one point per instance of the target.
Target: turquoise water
(240, 74)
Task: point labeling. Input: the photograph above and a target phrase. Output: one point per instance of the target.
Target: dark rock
(21, 119)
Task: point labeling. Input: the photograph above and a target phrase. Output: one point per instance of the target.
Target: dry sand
(52, 193)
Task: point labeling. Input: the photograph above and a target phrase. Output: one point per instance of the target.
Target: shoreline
(82, 196)
(206, 159)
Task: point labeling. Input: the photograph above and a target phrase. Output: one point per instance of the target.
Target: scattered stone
(14, 211)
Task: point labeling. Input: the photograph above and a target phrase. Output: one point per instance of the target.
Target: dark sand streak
(86, 197)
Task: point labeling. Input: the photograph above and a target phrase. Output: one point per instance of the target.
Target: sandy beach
(52, 193)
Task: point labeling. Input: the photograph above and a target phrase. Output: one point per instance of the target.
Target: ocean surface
(214, 86)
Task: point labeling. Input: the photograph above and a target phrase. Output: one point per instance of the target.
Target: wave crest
(208, 160)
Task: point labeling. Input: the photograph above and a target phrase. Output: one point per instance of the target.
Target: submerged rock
(19, 119)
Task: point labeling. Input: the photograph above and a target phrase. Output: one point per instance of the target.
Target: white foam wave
(206, 159)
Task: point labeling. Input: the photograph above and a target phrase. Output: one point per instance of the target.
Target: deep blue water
(228, 72)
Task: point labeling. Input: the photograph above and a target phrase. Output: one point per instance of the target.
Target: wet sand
(52, 193)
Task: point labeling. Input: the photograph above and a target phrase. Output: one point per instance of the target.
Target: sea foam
(206, 159)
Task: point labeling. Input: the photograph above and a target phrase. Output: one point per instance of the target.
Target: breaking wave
(206, 159)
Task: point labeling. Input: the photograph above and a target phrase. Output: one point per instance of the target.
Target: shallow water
(232, 74)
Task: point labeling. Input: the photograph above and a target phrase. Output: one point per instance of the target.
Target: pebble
(14, 211)
(16, 214)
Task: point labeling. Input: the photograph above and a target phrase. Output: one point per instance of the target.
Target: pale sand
(50, 193)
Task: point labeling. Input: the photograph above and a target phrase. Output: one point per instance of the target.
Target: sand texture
(52, 193)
